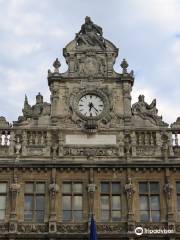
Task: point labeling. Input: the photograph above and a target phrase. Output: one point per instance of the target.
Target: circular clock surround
(91, 105)
(97, 106)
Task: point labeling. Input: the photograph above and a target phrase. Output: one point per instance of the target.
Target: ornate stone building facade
(89, 152)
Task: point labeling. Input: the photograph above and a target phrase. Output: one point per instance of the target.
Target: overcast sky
(33, 33)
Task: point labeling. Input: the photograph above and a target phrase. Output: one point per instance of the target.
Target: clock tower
(90, 97)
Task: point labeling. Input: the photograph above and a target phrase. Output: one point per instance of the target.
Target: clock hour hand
(90, 105)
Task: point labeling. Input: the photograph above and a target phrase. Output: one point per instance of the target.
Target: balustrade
(143, 143)
(145, 138)
(36, 138)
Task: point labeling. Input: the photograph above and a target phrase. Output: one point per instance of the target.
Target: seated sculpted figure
(90, 34)
(146, 110)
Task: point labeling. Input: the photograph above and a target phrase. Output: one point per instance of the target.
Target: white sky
(33, 34)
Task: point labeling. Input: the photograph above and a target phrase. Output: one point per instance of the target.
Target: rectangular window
(72, 201)
(149, 201)
(34, 201)
(3, 200)
(178, 199)
(110, 201)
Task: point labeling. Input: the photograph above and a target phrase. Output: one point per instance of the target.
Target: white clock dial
(90, 105)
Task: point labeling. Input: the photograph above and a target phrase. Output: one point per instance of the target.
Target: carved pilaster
(91, 192)
(129, 190)
(168, 189)
(14, 192)
(53, 190)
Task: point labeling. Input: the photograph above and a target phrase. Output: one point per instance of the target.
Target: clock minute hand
(95, 109)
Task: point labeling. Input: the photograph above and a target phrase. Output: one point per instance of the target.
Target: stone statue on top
(90, 34)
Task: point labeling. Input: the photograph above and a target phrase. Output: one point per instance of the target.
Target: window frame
(149, 194)
(177, 194)
(110, 195)
(34, 195)
(72, 194)
(6, 200)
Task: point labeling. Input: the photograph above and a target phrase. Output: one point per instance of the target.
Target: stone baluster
(12, 142)
(170, 144)
(6, 138)
(137, 138)
(146, 138)
(140, 139)
(0, 138)
(42, 142)
(176, 139)
(151, 139)
(36, 137)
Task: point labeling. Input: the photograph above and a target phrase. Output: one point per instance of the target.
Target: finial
(56, 65)
(26, 100)
(132, 73)
(124, 65)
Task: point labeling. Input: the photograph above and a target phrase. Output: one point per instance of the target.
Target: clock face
(90, 105)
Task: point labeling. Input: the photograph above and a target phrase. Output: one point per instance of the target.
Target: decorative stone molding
(32, 228)
(110, 228)
(72, 228)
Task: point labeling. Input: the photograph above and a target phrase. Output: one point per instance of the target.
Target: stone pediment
(146, 115)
